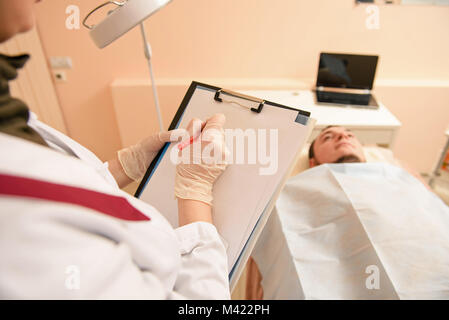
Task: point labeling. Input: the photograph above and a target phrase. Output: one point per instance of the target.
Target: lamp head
(127, 15)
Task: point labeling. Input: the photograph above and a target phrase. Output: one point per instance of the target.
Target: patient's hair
(311, 152)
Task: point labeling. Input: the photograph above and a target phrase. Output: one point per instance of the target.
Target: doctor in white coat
(67, 231)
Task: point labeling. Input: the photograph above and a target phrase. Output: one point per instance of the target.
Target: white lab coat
(65, 251)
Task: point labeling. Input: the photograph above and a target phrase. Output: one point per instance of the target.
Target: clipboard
(243, 196)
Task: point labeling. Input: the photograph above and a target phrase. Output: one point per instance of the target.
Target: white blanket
(362, 231)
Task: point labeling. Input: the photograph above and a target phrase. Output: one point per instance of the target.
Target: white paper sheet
(365, 231)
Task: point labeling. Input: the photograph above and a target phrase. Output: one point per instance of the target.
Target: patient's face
(337, 145)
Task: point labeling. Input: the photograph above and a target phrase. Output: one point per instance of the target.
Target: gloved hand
(136, 159)
(196, 174)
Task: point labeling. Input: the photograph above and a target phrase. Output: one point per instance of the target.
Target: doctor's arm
(204, 271)
(116, 169)
(197, 173)
(203, 253)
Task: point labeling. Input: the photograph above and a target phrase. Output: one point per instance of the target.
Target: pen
(186, 143)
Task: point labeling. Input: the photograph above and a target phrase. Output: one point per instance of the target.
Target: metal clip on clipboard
(241, 96)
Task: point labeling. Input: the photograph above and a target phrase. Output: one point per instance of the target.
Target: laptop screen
(346, 71)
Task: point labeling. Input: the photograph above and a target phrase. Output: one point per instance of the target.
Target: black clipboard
(303, 117)
(219, 96)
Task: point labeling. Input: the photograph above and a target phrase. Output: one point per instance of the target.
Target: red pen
(186, 143)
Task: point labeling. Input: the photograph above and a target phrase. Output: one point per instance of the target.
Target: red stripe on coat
(114, 206)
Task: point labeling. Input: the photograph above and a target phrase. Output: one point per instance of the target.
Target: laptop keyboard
(343, 98)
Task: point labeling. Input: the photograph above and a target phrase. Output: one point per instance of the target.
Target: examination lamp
(126, 15)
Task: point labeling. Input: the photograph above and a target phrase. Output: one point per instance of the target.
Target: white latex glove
(136, 159)
(196, 174)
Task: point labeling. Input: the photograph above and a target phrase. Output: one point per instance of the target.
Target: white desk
(371, 126)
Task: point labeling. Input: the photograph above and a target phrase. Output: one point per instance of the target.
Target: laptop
(346, 79)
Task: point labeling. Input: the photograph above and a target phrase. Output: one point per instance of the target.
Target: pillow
(372, 154)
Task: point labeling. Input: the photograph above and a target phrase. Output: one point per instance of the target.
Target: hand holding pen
(194, 180)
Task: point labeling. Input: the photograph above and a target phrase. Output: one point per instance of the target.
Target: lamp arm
(148, 55)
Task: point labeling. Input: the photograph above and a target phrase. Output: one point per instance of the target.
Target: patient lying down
(351, 229)
(337, 144)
